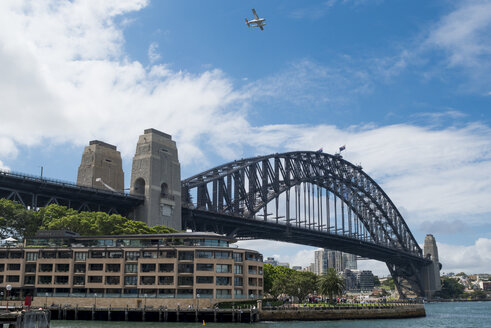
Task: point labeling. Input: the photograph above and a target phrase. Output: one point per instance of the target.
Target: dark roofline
(102, 143)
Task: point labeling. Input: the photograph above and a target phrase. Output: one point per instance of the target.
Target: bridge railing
(59, 182)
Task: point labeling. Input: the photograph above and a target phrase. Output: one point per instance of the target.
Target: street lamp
(197, 301)
(145, 301)
(8, 288)
(95, 299)
(46, 301)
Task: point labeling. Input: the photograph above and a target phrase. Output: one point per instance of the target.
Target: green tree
(451, 288)
(389, 282)
(269, 275)
(478, 295)
(302, 284)
(376, 281)
(331, 284)
(281, 281)
(16, 220)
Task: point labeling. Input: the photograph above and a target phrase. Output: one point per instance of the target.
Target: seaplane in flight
(256, 22)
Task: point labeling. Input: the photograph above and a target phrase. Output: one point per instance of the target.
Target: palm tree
(331, 283)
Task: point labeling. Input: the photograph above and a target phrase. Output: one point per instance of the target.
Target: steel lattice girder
(257, 181)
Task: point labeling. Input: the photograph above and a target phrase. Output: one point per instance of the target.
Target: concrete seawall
(312, 314)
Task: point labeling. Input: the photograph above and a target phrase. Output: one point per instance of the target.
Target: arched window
(164, 189)
(140, 186)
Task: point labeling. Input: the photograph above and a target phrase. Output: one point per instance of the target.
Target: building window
(16, 255)
(30, 267)
(79, 280)
(113, 268)
(65, 255)
(131, 268)
(45, 280)
(224, 293)
(96, 266)
(238, 281)
(222, 255)
(61, 280)
(79, 267)
(2, 267)
(48, 254)
(185, 281)
(13, 279)
(95, 279)
(204, 267)
(116, 255)
(30, 256)
(45, 267)
(223, 281)
(252, 270)
(145, 267)
(204, 279)
(185, 268)
(186, 256)
(29, 280)
(238, 269)
(238, 293)
(147, 280)
(132, 256)
(62, 267)
(97, 255)
(204, 254)
(130, 280)
(204, 293)
(238, 257)
(166, 280)
(168, 254)
(112, 280)
(166, 267)
(150, 254)
(80, 256)
(13, 266)
(223, 268)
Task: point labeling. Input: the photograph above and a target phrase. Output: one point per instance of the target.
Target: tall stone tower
(156, 174)
(431, 273)
(101, 164)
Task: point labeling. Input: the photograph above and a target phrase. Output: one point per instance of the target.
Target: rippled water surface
(465, 314)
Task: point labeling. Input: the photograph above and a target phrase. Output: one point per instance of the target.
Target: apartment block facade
(165, 266)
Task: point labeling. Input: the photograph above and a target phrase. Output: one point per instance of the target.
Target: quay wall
(312, 314)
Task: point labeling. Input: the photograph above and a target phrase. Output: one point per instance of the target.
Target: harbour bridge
(303, 197)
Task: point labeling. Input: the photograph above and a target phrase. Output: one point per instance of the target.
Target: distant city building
(284, 264)
(271, 260)
(365, 280)
(357, 280)
(485, 285)
(340, 261)
(297, 267)
(320, 261)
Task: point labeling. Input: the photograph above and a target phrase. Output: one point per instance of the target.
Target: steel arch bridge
(309, 198)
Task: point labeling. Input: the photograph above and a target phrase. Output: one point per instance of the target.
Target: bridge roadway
(200, 220)
(34, 192)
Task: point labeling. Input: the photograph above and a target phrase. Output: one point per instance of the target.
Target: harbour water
(458, 314)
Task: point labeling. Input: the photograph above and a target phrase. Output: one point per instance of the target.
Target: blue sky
(406, 85)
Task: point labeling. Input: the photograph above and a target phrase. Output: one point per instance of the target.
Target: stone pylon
(156, 174)
(431, 273)
(101, 167)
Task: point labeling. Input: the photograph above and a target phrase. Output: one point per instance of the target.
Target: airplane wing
(254, 12)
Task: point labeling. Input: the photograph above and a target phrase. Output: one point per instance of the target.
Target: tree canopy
(281, 280)
(19, 222)
(451, 288)
(331, 283)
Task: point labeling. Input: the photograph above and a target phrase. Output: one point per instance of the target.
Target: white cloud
(465, 34)
(470, 259)
(65, 78)
(153, 54)
(3, 167)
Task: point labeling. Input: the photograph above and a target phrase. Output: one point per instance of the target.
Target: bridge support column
(156, 174)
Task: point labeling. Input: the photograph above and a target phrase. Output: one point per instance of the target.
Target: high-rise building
(350, 261)
(320, 261)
